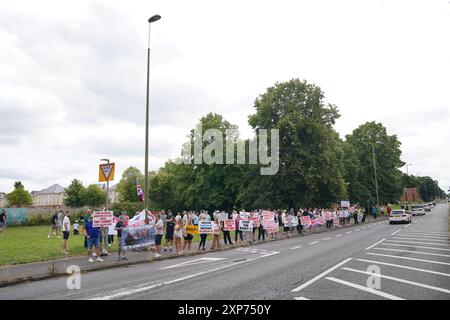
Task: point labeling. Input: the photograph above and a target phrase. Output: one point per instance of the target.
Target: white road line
(348, 232)
(358, 229)
(357, 286)
(417, 284)
(422, 236)
(405, 267)
(314, 242)
(415, 252)
(395, 232)
(419, 242)
(303, 286)
(364, 228)
(131, 290)
(407, 258)
(324, 239)
(126, 292)
(407, 245)
(339, 235)
(436, 233)
(300, 298)
(410, 238)
(406, 226)
(376, 244)
(296, 247)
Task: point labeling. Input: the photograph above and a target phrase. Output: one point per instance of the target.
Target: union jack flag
(140, 193)
(316, 222)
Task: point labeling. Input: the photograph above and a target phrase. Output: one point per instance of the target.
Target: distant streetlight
(407, 165)
(154, 18)
(375, 173)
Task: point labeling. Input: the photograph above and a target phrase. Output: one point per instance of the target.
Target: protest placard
(244, 215)
(268, 215)
(102, 219)
(138, 237)
(345, 204)
(336, 222)
(206, 227)
(255, 221)
(288, 221)
(305, 220)
(228, 225)
(270, 226)
(191, 229)
(223, 216)
(245, 225)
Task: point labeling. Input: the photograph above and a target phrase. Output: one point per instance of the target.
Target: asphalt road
(412, 262)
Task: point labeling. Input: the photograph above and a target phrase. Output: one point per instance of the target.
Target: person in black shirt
(2, 221)
(54, 221)
(119, 226)
(170, 225)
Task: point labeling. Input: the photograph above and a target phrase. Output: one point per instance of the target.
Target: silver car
(417, 210)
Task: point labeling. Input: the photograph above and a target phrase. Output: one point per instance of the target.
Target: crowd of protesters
(171, 235)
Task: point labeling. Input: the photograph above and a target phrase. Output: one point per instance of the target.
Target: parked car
(400, 215)
(427, 207)
(417, 210)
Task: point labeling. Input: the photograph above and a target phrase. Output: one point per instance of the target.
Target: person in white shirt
(66, 232)
(159, 231)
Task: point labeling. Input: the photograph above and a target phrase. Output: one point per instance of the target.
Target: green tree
(369, 139)
(74, 194)
(357, 191)
(429, 189)
(199, 186)
(127, 185)
(94, 196)
(410, 181)
(311, 169)
(19, 197)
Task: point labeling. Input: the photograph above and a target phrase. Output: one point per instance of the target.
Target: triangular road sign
(106, 172)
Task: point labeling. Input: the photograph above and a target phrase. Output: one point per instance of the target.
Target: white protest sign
(102, 219)
(245, 225)
(223, 216)
(205, 227)
(345, 204)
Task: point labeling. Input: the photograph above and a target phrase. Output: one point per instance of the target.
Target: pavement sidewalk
(20, 273)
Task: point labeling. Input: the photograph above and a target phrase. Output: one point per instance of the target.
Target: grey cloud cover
(72, 76)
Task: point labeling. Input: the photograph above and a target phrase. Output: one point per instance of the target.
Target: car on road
(399, 215)
(427, 207)
(417, 210)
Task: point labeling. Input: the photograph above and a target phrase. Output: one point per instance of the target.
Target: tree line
(316, 167)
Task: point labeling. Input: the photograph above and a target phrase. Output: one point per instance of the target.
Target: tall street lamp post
(375, 173)
(152, 19)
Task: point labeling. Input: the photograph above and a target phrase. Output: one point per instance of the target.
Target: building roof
(56, 188)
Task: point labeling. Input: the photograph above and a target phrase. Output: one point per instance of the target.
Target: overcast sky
(72, 76)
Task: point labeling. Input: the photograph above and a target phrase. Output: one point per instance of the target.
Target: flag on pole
(140, 193)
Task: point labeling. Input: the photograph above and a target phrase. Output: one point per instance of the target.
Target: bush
(38, 219)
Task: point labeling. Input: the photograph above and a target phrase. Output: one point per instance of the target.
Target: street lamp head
(154, 18)
(104, 160)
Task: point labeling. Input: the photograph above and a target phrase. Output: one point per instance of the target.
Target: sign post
(106, 174)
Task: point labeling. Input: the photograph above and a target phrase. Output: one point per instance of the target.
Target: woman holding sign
(203, 236)
(216, 239)
(178, 233)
